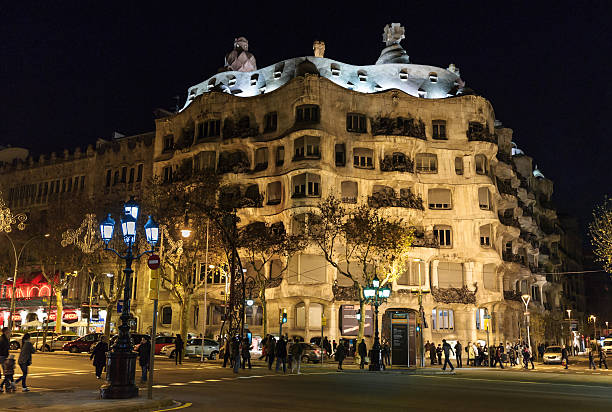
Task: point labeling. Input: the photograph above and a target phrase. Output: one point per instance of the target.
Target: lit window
(442, 319)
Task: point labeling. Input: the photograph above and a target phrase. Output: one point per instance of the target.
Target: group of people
(144, 356)
(237, 352)
(7, 360)
(594, 350)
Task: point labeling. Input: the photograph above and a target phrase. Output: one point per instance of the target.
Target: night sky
(70, 74)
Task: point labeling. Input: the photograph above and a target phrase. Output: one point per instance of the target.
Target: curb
(148, 405)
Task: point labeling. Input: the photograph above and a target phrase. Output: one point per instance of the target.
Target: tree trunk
(184, 320)
(107, 323)
(264, 308)
(59, 304)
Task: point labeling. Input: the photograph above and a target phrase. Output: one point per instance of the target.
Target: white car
(55, 342)
(168, 350)
(607, 346)
(193, 349)
(552, 355)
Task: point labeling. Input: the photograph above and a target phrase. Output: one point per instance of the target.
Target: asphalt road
(210, 387)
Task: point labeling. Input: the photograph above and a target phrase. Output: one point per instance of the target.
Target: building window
(278, 70)
(132, 173)
(475, 128)
(305, 268)
(274, 193)
(484, 201)
(270, 122)
(168, 143)
(166, 315)
(340, 150)
(403, 74)
(280, 155)
(123, 174)
(433, 77)
(363, 75)
(459, 165)
(349, 191)
(335, 69)
(489, 277)
(480, 318)
(422, 93)
(204, 161)
(426, 163)
(411, 276)
(108, 179)
(440, 199)
(450, 275)
(362, 158)
(254, 79)
(139, 174)
(308, 113)
(535, 293)
(443, 235)
(356, 123)
(261, 159)
(439, 129)
(481, 164)
(485, 235)
(168, 174)
(306, 147)
(442, 319)
(307, 184)
(209, 128)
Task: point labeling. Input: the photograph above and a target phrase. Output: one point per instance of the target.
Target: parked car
(168, 350)
(193, 348)
(552, 354)
(162, 341)
(82, 344)
(50, 340)
(310, 352)
(607, 346)
(15, 341)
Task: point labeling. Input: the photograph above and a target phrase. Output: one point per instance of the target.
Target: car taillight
(317, 351)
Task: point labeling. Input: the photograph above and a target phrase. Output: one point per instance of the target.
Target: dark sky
(71, 73)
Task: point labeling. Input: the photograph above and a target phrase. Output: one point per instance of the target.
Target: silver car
(193, 348)
(55, 342)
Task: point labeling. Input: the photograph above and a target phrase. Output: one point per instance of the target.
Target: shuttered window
(274, 193)
(489, 277)
(450, 275)
(483, 198)
(439, 199)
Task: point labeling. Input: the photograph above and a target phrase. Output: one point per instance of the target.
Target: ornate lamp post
(376, 295)
(525, 299)
(121, 361)
(421, 317)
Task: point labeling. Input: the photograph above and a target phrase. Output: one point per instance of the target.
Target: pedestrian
(541, 350)
(527, 358)
(9, 372)
(471, 354)
(602, 357)
(334, 345)
(512, 356)
(5, 343)
(281, 354)
(458, 349)
(227, 351)
(446, 348)
(499, 353)
(386, 353)
(25, 360)
(432, 353)
(178, 349)
(591, 362)
(99, 356)
(340, 355)
(565, 356)
(144, 357)
(271, 351)
(264, 353)
(363, 352)
(236, 353)
(297, 349)
(246, 353)
(439, 352)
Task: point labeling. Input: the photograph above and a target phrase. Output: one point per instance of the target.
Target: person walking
(499, 354)
(446, 348)
(264, 353)
(99, 356)
(334, 345)
(246, 353)
(25, 360)
(281, 354)
(297, 350)
(432, 353)
(5, 343)
(227, 352)
(363, 352)
(178, 349)
(9, 372)
(471, 354)
(439, 352)
(236, 353)
(565, 356)
(458, 349)
(602, 357)
(528, 358)
(271, 351)
(386, 350)
(340, 355)
(144, 357)
(591, 362)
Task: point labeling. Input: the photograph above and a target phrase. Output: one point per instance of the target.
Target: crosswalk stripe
(197, 382)
(178, 384)
(160, 386)
(213, 380)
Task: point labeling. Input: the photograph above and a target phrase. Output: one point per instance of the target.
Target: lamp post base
(376, 363)
(120, 373)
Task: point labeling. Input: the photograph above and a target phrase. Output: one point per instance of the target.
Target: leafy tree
(261, 243)
(600, 230)
(360, 243)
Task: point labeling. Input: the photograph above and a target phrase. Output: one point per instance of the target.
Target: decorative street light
(593, 319)
(526, 298)
(121, 361)
(376, 295)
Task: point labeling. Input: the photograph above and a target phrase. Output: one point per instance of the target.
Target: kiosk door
(399, 339)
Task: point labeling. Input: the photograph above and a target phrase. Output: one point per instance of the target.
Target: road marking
(197, 382)
(159, 386)
(185, 405)
(595, 373)
(178, 384)
(509, 381)
(579, 372)
(213, 380)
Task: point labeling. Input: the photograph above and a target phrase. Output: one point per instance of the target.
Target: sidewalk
(84, 400)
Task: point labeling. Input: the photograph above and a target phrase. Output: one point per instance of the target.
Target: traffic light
(85, 312)
(418, 328)
(284, 316)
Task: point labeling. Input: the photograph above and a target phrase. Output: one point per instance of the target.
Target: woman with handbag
(25, 360)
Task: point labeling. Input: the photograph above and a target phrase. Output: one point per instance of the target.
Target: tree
(260, 243)
(360, 243)
(600, 230)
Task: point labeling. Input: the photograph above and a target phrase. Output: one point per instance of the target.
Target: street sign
(153, 262)
(120, 306)
(153, 284)
(323, 320)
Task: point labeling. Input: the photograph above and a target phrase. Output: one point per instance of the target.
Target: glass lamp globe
(131, 208)
(152, 231)
(107, 227)
(128, 227)
(375, 282)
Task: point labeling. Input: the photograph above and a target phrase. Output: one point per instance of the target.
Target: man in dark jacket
(432, 353)
(281, 354)
(271, 349)
(99, 356)
(439, 352)
(246, 353)
(340, 355)
(565, 356)
(236, 352)
(178, 349)
(363, 352)
(458, 353)
(5, 343)
(446, 348)
(144, 357)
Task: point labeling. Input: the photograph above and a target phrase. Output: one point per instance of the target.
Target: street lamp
(593, 319)
(525, 299)
(421, 316)
(376, 295)
(121, 361)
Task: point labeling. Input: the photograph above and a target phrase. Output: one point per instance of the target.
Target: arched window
(300, 316)
(274, 193)
(481, 164)
(166, 316)
(489, 277)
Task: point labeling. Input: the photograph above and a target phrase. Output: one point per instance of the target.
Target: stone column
(473, 333)
(469, 274)
(307, 320)
(332, 321)
(434, 275)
